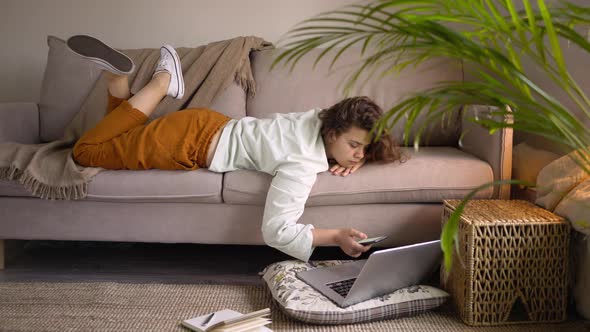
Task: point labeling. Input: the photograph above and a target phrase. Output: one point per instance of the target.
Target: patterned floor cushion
(300, 301)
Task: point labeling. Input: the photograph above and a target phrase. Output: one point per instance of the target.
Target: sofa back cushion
(283, 91)
(231, 102)
(68, 79)
(66, 83)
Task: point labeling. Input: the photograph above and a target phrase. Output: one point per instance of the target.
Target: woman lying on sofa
(292, 147)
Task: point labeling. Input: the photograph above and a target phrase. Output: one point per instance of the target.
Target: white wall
(24, 25)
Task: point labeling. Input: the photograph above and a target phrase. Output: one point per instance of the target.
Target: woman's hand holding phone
(372, 240)
(346, 238)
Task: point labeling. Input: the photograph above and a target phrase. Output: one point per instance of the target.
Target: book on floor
(230, 321)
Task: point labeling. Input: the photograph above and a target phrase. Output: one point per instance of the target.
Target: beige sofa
(402, 201)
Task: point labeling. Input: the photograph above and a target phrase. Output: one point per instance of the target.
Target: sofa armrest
(496, 149)
(19, 122)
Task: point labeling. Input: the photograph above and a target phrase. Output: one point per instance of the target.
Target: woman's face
(348, 148)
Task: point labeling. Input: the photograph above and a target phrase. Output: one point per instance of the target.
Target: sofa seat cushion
(428, 176)
(200, 186)
(13, 188)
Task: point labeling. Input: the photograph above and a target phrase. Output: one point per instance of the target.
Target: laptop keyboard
(342, 287)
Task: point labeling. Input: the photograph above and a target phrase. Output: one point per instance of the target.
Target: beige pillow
(66, 83)
(527, 162)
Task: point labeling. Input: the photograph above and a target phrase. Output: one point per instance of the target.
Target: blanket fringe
(42, 190)
(10, 173)
(247, 84)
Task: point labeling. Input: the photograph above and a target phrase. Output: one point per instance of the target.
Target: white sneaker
(100, 53)
(170, 62)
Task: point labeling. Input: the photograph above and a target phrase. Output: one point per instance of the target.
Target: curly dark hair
(363, 113)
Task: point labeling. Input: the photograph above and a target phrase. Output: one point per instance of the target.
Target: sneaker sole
(178, 70)
(95, 50)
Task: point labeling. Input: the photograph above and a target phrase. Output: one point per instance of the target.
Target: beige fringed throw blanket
(48, 170)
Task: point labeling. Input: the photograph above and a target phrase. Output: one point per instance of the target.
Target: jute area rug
(108, 306)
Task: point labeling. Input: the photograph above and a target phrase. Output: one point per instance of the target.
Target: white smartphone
(372, 240)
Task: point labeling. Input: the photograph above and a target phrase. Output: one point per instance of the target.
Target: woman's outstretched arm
(345, 238)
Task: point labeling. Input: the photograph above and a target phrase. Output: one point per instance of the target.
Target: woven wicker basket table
(511, 265)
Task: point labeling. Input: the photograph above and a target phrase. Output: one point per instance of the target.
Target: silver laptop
(383, 272)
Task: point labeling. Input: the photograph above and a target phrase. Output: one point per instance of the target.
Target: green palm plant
(495, 37)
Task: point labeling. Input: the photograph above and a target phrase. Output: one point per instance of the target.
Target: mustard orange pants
(122, 140)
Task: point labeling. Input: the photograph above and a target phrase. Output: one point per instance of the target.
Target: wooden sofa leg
(1, 254)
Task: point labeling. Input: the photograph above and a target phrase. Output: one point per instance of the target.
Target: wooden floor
(141, 262)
